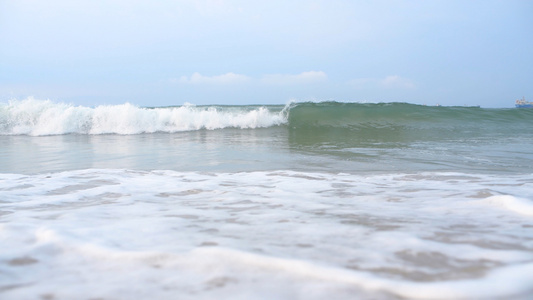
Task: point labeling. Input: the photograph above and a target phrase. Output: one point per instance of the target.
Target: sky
(160, 53)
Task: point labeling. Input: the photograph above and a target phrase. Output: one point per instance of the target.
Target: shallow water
(233, 150)
(204, 235)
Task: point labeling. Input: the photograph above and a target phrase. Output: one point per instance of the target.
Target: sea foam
(136, 234)
(38, 117)
(516, 204)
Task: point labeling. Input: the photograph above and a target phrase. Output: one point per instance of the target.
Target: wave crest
(44, 117)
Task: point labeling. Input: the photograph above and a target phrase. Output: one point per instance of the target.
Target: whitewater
(34, 117)
(297, 201)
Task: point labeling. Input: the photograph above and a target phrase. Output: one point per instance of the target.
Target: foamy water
(36, 118)
(129, 234)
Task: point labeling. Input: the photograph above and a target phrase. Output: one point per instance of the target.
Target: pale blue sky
(157, 53)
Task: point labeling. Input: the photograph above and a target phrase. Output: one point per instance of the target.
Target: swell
(354, 115)
(352, 124)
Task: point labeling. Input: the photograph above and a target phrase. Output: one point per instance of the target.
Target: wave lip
(37, 117)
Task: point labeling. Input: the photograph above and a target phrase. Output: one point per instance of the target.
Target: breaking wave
(36, 117)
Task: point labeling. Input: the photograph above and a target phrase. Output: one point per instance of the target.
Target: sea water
(298, 201)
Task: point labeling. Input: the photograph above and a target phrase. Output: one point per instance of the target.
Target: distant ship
(522, 103)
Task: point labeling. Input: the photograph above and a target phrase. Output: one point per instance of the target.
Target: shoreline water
(427, 235)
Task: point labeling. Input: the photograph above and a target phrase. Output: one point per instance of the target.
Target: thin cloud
(396, 82)
(228, 78)
(268, 79)
(389, 82)
(289, 79)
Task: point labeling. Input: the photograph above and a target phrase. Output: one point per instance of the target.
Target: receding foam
(123, 233)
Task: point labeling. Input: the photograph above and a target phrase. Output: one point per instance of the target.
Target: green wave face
(390, 124)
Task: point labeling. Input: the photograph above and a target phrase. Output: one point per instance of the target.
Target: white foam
(133, 234)
(37, 117)
(516, 204)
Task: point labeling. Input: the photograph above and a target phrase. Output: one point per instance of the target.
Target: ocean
(306, 200)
